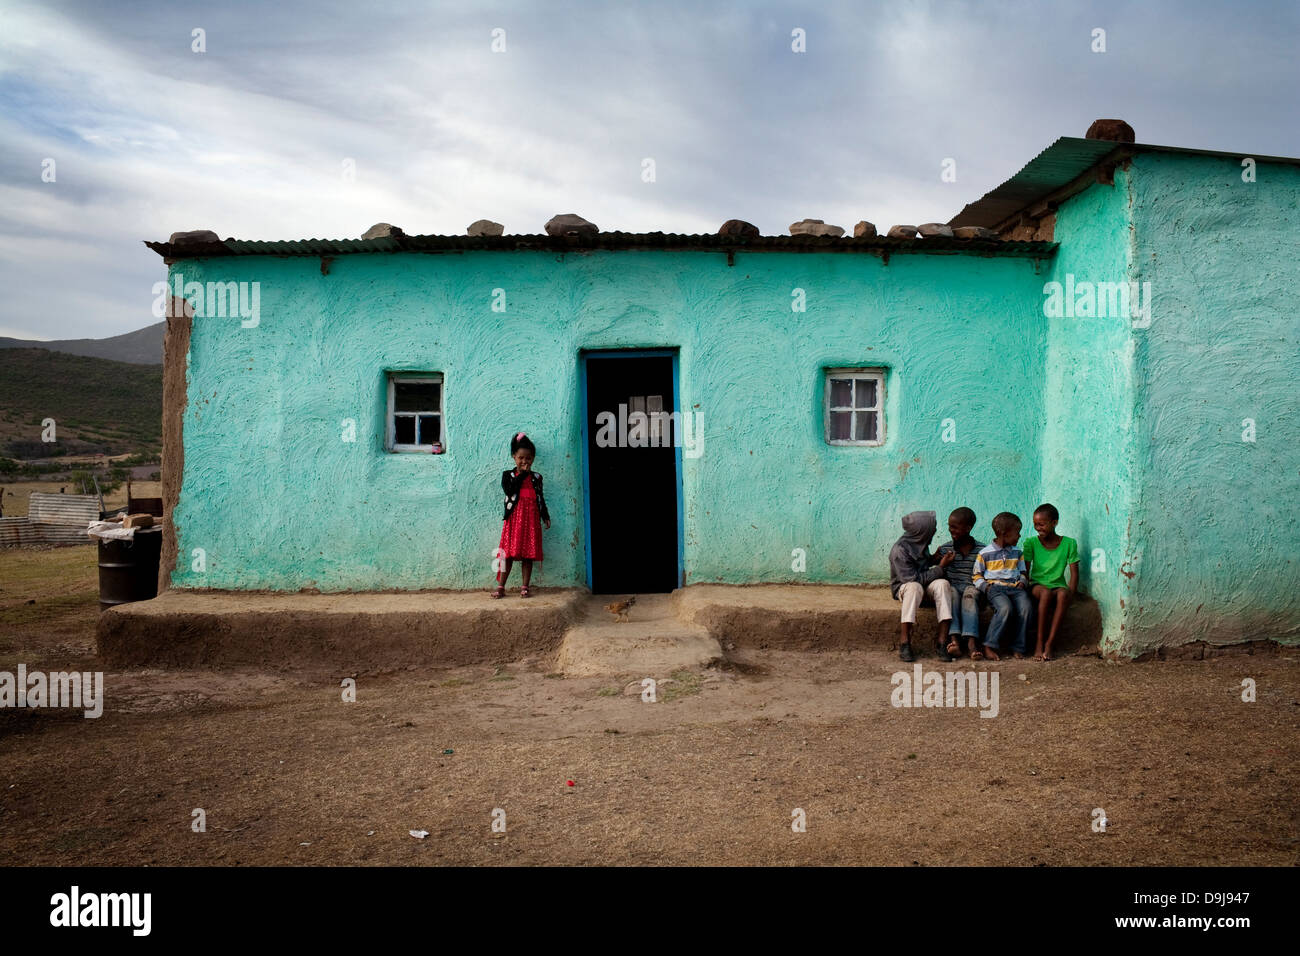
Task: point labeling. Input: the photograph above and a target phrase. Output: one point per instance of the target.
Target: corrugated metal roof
(603, 240)
(1059, 165)
(1055, 167)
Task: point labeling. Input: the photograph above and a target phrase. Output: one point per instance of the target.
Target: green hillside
(99, 406)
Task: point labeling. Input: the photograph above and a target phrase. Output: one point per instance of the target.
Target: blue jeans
(966, 613)
(1001, 600)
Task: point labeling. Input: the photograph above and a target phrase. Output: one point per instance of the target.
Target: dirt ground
(711, 773)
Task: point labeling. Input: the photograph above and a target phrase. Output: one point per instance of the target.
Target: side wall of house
(1089, 442)
(1218, 408)
(277, 497)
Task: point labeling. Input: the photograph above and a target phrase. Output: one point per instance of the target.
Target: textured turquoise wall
(1134, 432)
(1215, 517)
(1089, 438)
(277, 500)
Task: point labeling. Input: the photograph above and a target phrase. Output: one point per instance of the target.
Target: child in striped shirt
(1000, 573)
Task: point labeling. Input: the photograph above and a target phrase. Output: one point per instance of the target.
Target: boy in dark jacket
(914, 573)
(966, 598)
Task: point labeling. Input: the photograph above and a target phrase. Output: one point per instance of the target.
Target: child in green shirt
(1049, 556)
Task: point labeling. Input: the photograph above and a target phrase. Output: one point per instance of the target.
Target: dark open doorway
(632, 472)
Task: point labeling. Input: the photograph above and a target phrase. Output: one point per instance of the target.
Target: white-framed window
(855, 406)
(414, 412)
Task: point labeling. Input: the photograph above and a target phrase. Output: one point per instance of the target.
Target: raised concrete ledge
(805, 617)
(354, 631)
(373, 631)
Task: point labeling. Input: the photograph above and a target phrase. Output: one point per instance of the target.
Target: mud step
(652, 642)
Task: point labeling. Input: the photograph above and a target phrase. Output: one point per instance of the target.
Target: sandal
(500, 592)
(975, 653)
(954, 648)
(523, 591)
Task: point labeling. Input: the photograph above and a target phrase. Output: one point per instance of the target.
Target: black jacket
(511, 483)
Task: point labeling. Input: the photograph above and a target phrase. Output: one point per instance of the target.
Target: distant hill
(97, 405)
(141, 347)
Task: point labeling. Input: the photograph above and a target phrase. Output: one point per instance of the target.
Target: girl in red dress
(525, 513)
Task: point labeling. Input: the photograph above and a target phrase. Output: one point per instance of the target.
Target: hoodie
(909, 558)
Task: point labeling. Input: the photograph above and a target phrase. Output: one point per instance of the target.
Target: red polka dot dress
(521, 533)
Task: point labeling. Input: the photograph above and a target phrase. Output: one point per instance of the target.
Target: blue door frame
(677, 450)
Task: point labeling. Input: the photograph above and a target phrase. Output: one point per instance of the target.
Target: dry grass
(49, 602)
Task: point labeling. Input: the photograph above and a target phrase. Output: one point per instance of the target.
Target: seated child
(1000, 574)
(1048, 556)
(957, 558)
(912, 573)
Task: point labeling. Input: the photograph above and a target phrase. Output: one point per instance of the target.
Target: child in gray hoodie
(914, 573)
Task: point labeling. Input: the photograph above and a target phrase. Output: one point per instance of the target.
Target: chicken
(620, 608)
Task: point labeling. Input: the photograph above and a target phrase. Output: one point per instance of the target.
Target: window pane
(865, 396)
(841, 393)
(417, 396)
(841, 426)
(404, 429)
(429, 429)
(865, 426)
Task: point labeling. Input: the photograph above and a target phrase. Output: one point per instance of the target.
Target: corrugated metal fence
(16, 531)
(51, 519)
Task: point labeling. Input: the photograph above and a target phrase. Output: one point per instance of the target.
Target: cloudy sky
(251, 136)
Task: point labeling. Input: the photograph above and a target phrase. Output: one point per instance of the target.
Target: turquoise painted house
(745, 409)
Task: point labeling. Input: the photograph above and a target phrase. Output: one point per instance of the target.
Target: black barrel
(128, 570)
